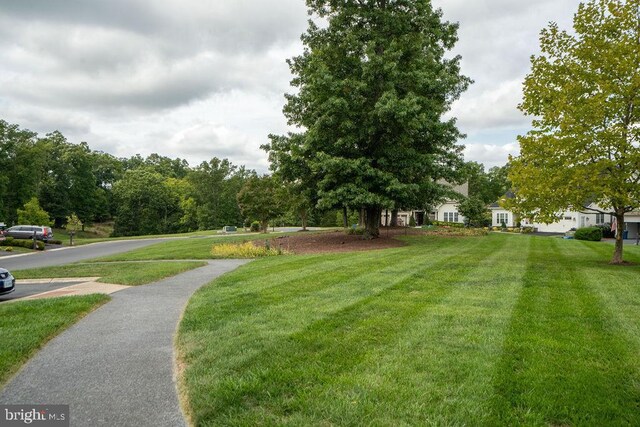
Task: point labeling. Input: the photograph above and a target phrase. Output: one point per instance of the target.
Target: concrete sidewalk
(115, 367)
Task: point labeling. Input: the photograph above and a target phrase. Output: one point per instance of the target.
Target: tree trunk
(617, 253)
(303, 216)
(345, 217)
(372, 222)
(362, 218)
(394, 218)
(265, 225)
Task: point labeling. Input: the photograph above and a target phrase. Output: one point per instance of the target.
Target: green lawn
(26, 326)
(496, 330)
(121, 273)
(196, 248)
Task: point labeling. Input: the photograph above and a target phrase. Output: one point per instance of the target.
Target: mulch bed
(338, 241)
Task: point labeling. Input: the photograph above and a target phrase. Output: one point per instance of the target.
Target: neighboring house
(445, 212)
(569, 220)
(500, 215)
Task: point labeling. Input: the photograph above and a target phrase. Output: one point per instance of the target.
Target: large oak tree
(373, 85)
(583, 92)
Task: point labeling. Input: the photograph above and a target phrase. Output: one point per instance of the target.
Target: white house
(445, 212)
(569, 220)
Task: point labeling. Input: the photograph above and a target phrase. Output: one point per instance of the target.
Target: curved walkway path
(115, 366)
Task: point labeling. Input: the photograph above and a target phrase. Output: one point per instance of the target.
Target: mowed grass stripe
(272, 386)
(564, 362)
(290, 289)
(437, 370)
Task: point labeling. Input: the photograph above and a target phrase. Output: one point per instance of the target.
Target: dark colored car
(7, 282)
(26, 232)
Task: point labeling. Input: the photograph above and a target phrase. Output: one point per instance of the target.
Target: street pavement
(69, 255)
(51, 257)
(25, 290)
(116, 366)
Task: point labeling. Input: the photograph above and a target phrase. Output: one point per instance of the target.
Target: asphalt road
(116, 366)
(53, 257)
(24, 290)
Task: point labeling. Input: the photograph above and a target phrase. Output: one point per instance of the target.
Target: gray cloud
(200, 78)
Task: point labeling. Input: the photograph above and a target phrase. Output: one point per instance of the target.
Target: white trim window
(451, 217)
(599, 218)
(502, 217)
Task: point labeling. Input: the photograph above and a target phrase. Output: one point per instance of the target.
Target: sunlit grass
(25, 326)
(120, 273)
(495, 330)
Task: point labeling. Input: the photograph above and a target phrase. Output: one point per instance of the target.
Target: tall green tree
(584, 92)
(487, 186)
(22, 162)
(374, 83)
(263, 199)
(145, 203)
(215, 185)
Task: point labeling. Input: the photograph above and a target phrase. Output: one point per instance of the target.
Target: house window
(502, 217)
(599, 218)
(451, 217)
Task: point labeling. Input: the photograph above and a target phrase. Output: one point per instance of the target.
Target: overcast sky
(202, 78)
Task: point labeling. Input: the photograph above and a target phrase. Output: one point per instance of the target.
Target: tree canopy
(583, 90)
(262, 198)
(374, 84)
(65, 178)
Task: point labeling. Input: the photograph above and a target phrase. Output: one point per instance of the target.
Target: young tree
(33, 214)
(474, 209)
(73, 225)
(373, 84)
(584, 92)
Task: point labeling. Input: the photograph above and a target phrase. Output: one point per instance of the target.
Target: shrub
(358, 231)
(25, 243)
(606, 231)
(412, 221)
(592, 234)
(456, 232)
(8, 249)
(448, 224)
(244, 250)
(55, 242)
(255, 226)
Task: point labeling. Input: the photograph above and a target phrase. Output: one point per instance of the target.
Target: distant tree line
(148, 195)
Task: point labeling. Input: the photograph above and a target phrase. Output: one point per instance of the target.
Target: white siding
(497, 213)
(448, 207)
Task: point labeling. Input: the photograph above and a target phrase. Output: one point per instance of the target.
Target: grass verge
(195, 248)
(495, 330)
(26, 326)
(121, 273)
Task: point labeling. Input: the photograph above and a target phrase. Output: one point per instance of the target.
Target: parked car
(26, 232)
(7, 282)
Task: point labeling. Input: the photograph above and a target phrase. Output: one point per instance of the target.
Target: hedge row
(10, 241)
